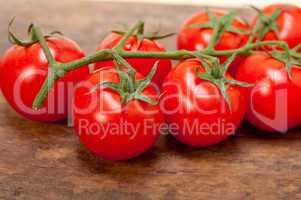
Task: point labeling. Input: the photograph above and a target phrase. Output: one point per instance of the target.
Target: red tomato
(274, 101)
(142, 65)
(195, 109)
(23, 71)
(191, 38)
(288, 23)
(109, 129)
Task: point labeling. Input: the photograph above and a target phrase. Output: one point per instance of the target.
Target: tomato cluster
(120, 109)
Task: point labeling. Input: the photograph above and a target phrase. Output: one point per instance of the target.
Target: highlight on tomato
(273, 103)
(202, 104)
(24, 68)
(116, 113)
(142, 42)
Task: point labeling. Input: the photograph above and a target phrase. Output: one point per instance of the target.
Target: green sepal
(212, 18)
(224, 23)
(297, 48)
(206, 65)
(140, 34)
(227, 20)
(237, 30)
(110, 85)
(239, 83)
(286, 57)
(216, 74)
(265, 24)
(131, 72)
(149, 35)
(223, 89)
(13, 39)
(206, 60)
(205, 76)
(142, 84)
(123, 77)
(156, 36)
(129, 88)
(146, 99)
(228, 62)
(219, 83)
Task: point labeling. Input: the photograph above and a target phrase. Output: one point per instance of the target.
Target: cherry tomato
(288, 23)
(142, 65)
(23, 71)
(110, 129)
(273, 103)
(191, 38)
(195, 109)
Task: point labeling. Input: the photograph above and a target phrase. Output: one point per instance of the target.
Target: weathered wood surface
(44, 161)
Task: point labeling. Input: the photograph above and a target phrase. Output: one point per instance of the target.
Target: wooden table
(46, 161)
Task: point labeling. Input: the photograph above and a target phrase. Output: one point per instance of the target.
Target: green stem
(217, 31)
(296, 55)
(47, 85)
(102, 55)
(51, 78)
(106, 54)
(39, 36)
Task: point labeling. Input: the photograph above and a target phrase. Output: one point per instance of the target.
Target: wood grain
(46, 161)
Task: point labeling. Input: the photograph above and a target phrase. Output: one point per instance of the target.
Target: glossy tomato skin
(190, 38)
(23, 71)
(196, 109)
(273, 103)
(288, 23)
(101, 127)
(142, 65)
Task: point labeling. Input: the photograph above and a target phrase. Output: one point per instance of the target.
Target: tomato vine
(289, 56)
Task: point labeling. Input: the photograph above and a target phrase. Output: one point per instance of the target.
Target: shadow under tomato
(226, 148)
(249, 130)
(25, 128)
(123, 171)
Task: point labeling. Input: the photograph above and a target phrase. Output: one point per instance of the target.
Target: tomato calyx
(219, 25)
(129, 88)
(289, 57)
(13, 39)
(141, 34)
(225, 23)
(215, 72)
(265, 23)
